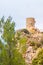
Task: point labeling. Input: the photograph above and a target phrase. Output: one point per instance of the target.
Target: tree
(10, 54)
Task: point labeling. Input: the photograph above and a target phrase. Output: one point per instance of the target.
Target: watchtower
(30, 24)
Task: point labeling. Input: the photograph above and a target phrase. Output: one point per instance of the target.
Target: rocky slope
(33, 43)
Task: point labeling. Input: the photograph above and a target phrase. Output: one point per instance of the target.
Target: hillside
(32, 44)
(29, 43)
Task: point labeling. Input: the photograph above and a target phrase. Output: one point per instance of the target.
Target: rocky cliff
(33, 43)
(30, 40)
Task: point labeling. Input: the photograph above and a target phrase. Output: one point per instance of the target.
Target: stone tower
(30, 24)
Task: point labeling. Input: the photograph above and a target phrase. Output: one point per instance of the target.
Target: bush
(22, 45)
(35, 44)
(32, 43)
(23, 41)
(39, 59)
(25, 31)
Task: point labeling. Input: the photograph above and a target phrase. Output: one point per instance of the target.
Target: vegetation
(22, 44)
(26, 31)
(12, 46)
(9, 55)
(35, 44)
(39, 59)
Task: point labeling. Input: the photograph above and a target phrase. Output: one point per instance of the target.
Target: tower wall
(30, 23)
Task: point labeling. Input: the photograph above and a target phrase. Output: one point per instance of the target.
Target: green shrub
(23, 40)
(35, 44)
(39, 59)
(32, 43)
(25, 31)
(22, 44)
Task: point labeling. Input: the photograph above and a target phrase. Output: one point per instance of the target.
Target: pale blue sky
(21, 9)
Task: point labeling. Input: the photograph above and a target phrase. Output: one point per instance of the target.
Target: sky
(19, 10)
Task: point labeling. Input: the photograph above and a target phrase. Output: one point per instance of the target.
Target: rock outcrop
(34, 38)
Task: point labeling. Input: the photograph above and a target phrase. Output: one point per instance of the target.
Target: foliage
(3, 55)
(39, 59)
(18, 35)
(32, 43)
(23, 40)
(25, 31)
(18, 59)
(35, 44)
(9, 55)
(41, 40)
(1, 24)
(22, 44)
